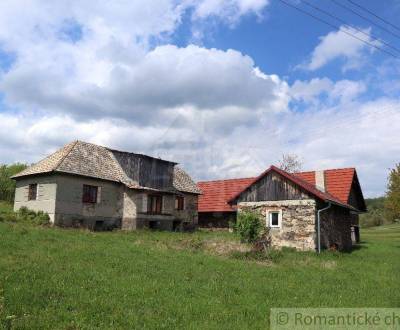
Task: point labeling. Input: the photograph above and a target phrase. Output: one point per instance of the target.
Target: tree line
(381, 210)
(7, 185)
(384, 210)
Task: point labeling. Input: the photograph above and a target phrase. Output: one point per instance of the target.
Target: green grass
(5, 207)
(69, 279)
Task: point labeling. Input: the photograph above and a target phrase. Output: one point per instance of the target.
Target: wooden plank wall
(272, 187)
(147, 171)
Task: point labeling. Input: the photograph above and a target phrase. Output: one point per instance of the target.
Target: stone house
(307, 211)
(87, 185)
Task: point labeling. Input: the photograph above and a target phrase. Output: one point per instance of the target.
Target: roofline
(54, 172)
(142, 155)
(355, 176)
(328, 169)
(188, 192)
(293, 179)
(223, 180)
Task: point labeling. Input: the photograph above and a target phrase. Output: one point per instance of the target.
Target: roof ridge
(328, 169)
(221, 180)
(69, 149)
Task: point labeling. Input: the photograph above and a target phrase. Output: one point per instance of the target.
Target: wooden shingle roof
(91, 160)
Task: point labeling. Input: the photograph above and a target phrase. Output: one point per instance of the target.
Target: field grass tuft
(53, 278)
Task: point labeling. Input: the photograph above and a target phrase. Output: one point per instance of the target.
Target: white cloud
(230, 10)
(338, 44)
(121, 84)
(339, 92)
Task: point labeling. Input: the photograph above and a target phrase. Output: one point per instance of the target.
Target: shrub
(249, 227)
(25, 215)
(8, 217)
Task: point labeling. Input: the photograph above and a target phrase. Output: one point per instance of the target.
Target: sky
(224, 87)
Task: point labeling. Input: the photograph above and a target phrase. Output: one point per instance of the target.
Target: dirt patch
(224, 247)
(330, 264)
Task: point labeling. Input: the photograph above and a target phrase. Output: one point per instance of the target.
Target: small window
(274, 219)
(89, 194)
(154, 204)
(179, 203)
(33, 192)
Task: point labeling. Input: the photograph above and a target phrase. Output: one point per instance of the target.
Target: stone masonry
(298, 222)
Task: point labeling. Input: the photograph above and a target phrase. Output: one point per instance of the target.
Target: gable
(342, 183)
(273, 187)
(356, 197)
(144, 170)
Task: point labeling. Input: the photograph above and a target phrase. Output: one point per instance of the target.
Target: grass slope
(70, 279)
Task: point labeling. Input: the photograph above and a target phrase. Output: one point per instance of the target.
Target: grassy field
(70, 279)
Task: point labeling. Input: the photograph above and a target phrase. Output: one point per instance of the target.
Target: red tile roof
(216, 194)
(337, 182)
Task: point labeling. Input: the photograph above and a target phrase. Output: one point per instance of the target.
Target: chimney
(320, 180)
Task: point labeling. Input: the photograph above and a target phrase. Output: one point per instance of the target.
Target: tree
(392, 202)
(290, 163)
(7, 185)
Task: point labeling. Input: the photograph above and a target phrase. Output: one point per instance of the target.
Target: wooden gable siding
(272, 187)
(355, 197)
(147, 171)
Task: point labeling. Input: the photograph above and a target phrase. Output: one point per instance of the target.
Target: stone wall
(336, 228)
(298, 222)
(189, 214)
(135, 214)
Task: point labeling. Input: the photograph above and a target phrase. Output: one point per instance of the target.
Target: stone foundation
(297, 226)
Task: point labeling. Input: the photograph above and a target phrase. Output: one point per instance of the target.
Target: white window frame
(269, 218)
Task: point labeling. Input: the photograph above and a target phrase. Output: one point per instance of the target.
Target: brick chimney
(320, 180)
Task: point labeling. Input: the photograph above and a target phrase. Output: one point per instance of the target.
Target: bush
(25, 215)
(8, 217)
(249, 227)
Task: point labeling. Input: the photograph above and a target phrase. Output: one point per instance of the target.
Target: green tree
(392, 202)
(7, 185)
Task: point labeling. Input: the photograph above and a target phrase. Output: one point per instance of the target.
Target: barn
(307, 210)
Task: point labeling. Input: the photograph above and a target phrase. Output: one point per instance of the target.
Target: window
(275, 219)
(89, 194)
(179, 203)
(154, 204)
(33, 192)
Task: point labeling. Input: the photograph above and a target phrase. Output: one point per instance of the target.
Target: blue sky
(225, 87)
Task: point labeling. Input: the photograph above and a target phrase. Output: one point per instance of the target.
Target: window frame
(155, 204)
(92, 199)
(269, 218)
(179, 203)
(35, 190)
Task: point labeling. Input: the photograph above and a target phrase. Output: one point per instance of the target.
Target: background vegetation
(7, 185)
(384, 210)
